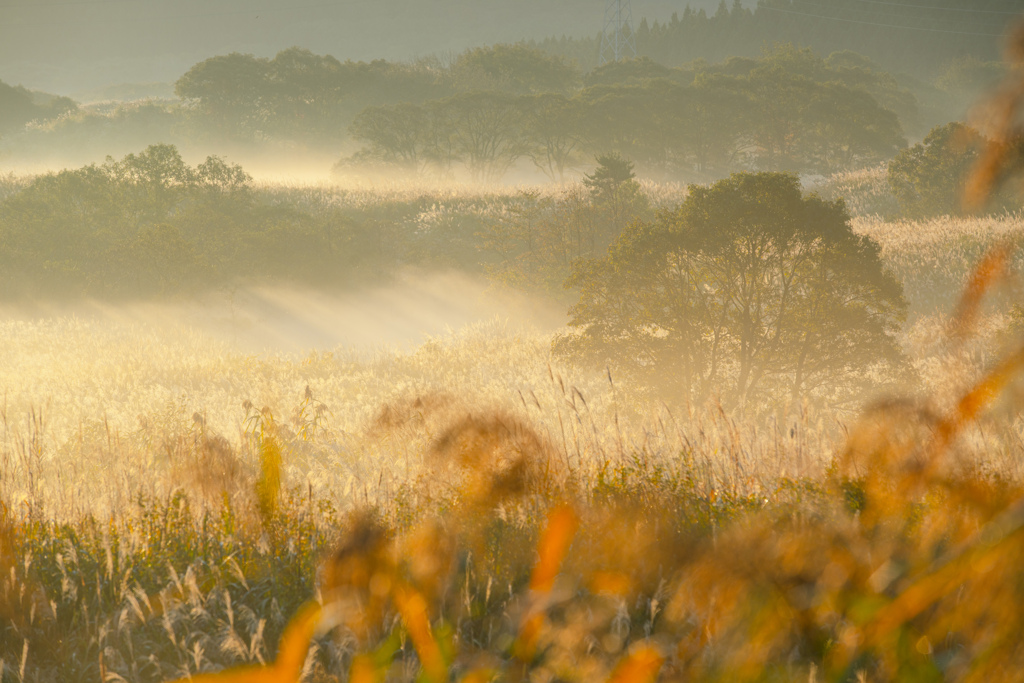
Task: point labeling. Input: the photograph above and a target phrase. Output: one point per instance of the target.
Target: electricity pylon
(618, 41)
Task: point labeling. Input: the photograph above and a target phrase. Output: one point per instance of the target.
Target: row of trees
(920, 37)
(151, 224)
(492, 108)
(303, 96)
(143, 225)
(789, 110)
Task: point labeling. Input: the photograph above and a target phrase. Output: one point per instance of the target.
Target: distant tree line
(150, 224)
(920, 37)
(302, 96)
(789, 110)
(492, 108)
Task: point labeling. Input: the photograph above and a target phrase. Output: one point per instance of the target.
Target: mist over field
(268, 320)
(468, 340)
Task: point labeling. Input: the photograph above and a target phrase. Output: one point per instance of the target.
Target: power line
(875, 23)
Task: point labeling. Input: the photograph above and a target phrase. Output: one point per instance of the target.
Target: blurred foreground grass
(456, 537)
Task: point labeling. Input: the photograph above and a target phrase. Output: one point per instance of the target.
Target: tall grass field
(473, 508)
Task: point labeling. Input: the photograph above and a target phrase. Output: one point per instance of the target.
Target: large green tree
(747, 291)
(928, 179)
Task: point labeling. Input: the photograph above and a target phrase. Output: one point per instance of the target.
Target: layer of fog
(268, 320)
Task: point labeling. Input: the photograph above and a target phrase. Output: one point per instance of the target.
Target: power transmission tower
(618, 41)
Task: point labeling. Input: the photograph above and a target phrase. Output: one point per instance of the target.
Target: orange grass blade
(987, 175)
(998, 116)
(413, 609)
(364, 670)
(641, 666)
(553, 546)
(610, 583)
(993, 268)
(980, 395)
(291, 654)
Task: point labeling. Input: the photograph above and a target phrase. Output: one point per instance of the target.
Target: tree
(395, 134)
(747, 290)
(487, 131)
(804, 122)
(551, 126)
(639, 69)
(229, 94)
(514, 68)
(616, 199)
(611, 174)
(848, 129)
(714, 123)
(928, 178)
(969, 76)
(151, 182)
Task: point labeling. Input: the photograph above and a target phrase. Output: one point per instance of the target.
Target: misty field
(692, 350)
(473, 507)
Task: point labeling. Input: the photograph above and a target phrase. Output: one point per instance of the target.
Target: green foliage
(747, 291)
(608, 178)
(928, 179)
(534, 243)
(513, 68)
(970, 77)
(89, 133)
(889, 36)
(627, 70)
(19, 106)
(495, 108)
(788, 110)
(297, 95)
(125, 226)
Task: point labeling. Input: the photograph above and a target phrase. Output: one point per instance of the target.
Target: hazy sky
(68, 45)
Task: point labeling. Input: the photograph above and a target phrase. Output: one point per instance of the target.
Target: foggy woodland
(503, 341)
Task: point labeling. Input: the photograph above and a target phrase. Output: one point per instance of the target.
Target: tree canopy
(786, 111)
(748, 291)
(19, 106)
(928, 179)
